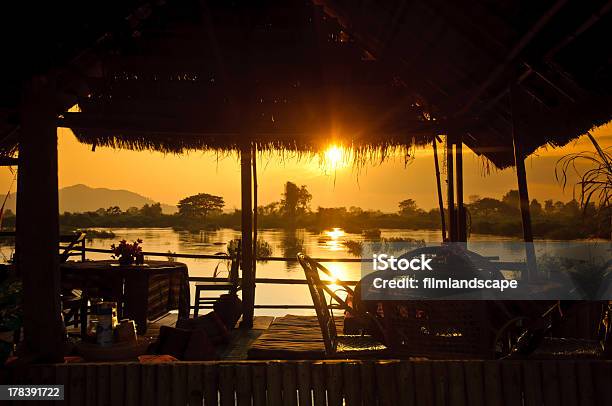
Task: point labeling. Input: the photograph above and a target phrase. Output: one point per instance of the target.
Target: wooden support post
(248, 279)
(461, 223)
(525, 214)
(452, 218)
(439, 186)
(521, 175)
(37, 237)
(255, 191)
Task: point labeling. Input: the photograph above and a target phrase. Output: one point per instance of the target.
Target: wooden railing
(306, 383)
(510, 266)
(81, 250)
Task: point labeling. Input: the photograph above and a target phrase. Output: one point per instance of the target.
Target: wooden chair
(337, 346)
(229, 285)
(72, 300)
(75, 245)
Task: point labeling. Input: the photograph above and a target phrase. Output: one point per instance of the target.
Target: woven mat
(291, 337)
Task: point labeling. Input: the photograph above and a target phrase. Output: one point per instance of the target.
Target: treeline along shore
(551, 220)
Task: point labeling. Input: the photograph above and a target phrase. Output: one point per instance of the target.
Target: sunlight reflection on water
(285, 243)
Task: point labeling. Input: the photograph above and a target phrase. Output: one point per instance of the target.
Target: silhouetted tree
(296, 200)
(407, 206)
(512, 199)
(549, 208)
(487, 206)
(113, 211)
(153, 210)
(535, 208)
(132, 211)
(200, 205)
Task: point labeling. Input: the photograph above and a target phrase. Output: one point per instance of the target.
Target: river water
(287, 243)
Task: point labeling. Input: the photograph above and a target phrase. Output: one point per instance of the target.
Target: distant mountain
(81, 198)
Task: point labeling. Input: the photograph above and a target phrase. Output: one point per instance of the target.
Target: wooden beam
(37, 237)
(512, 55)
(461, 224)
(521, 175)
(450, 185)
(255, 192)
(248, 278)
(8, 161)
(439, 188)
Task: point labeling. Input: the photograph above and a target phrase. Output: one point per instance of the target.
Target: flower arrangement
(127, 253)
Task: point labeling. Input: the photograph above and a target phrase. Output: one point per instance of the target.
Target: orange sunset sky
(168, 178)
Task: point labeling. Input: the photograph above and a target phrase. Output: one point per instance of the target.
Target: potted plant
(128, 253)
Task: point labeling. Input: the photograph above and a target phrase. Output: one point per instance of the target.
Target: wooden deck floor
(289, 337)
(240, 342)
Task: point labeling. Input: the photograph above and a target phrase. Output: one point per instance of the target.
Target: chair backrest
(317, 291)
(73, 241)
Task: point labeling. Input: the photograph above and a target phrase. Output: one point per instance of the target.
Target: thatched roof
(295, 75)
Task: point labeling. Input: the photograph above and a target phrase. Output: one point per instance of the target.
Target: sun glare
(335, 157)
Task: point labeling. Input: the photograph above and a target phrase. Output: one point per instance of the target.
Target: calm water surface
(287, 243)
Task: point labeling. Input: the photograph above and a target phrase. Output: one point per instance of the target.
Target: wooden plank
(352, 383)
(274, 384)
(474, 383)
(91, 384)
(164, 380)
(568, 378)
(602, 372)
(532, 383)
(368, 392)
(117, 385)
(386, 382)
(550, 381)
(333, 383)
(493, 384)
(406, 390)
(62, 377)
(132, 384)
(104, 387)
(243, 385)
(211, 379)
(512, 383)
(259, 384)
(440, 382)
(47, 377)
(289, 384)
(586, 393)
(424, 383)
(77, 385)
(318, 384)
(303, 382)
(179, 384)
(148, 388)
(226, 385)
(195, 383)
(456, 380)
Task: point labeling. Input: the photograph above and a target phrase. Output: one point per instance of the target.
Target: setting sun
(335, 157)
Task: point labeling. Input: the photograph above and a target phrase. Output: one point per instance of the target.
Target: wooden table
(143, 292)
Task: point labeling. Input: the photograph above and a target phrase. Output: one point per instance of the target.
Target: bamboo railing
(307, 383)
